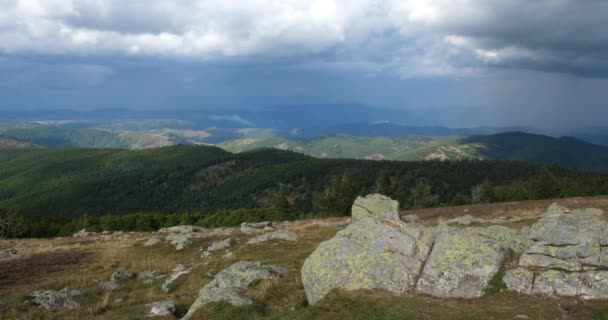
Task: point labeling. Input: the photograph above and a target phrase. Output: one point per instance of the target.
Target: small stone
(154, 240)
(162, 308)
(9, 254)
(151, 274)
(221, 244)
(178, 271)
(109, 285)
(284, 235)
(121, 275)
(179, 241)
(81, 234)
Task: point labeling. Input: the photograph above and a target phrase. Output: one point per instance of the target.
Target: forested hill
(72, 182)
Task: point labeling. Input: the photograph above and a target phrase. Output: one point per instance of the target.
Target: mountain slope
(70, 182)
(504, 146)
(8, 143)
(89, 138)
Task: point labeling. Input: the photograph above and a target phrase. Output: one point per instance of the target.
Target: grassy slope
(80, 263)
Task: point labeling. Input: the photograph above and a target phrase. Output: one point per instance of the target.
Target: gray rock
(365, 255)
(55, 300)
(181, 229)
(121, 275)
(375, 206)
(179, 241)
(108, 285)
(154, 240)
(460, 265)
(228, 255)
(221, 244)
(588, 285)
(252, 228)
(161, 308)
(229, 284)
(9, 254)
(178, 271)
(275, 235)
(410, 218)
(205, 254)
(519, 280)
(585, 253)
(559, 227)
(541, 261)
(510, 238)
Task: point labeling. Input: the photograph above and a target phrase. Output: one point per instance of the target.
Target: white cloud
(427, 37)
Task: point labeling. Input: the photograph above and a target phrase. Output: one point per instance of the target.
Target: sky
(467, 62)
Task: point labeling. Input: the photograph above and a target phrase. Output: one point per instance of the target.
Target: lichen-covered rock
(519, 280)
(587, 285)
(229, 284)
(541, 261)
(108, 285)
(585, 253)
(510, 238)
(55, 300)
(178, 271)
(284, 235)
(161, 308)
(460, 265)
(561, 227)
(179, 241)
(366, 255)
(220, 245)
(375, 206)
(120, 275)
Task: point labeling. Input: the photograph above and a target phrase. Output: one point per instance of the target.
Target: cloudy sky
(470, 62)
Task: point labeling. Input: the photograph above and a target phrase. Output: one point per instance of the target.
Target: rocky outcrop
(566, 256)
(563, 254)
(154, 240)
(284, 235)
(55, 300)
(229, 284)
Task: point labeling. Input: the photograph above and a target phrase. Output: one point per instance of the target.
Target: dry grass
(512, 209)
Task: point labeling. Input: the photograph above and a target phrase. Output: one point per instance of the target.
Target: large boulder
(366, 255)
(229, 284)
(587, 285)
(375, 206)
(460, 265)
(55, 300)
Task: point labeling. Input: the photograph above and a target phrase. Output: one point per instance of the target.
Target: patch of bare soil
(26, 270)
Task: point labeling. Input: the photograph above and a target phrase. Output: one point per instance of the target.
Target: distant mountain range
(323, 131)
